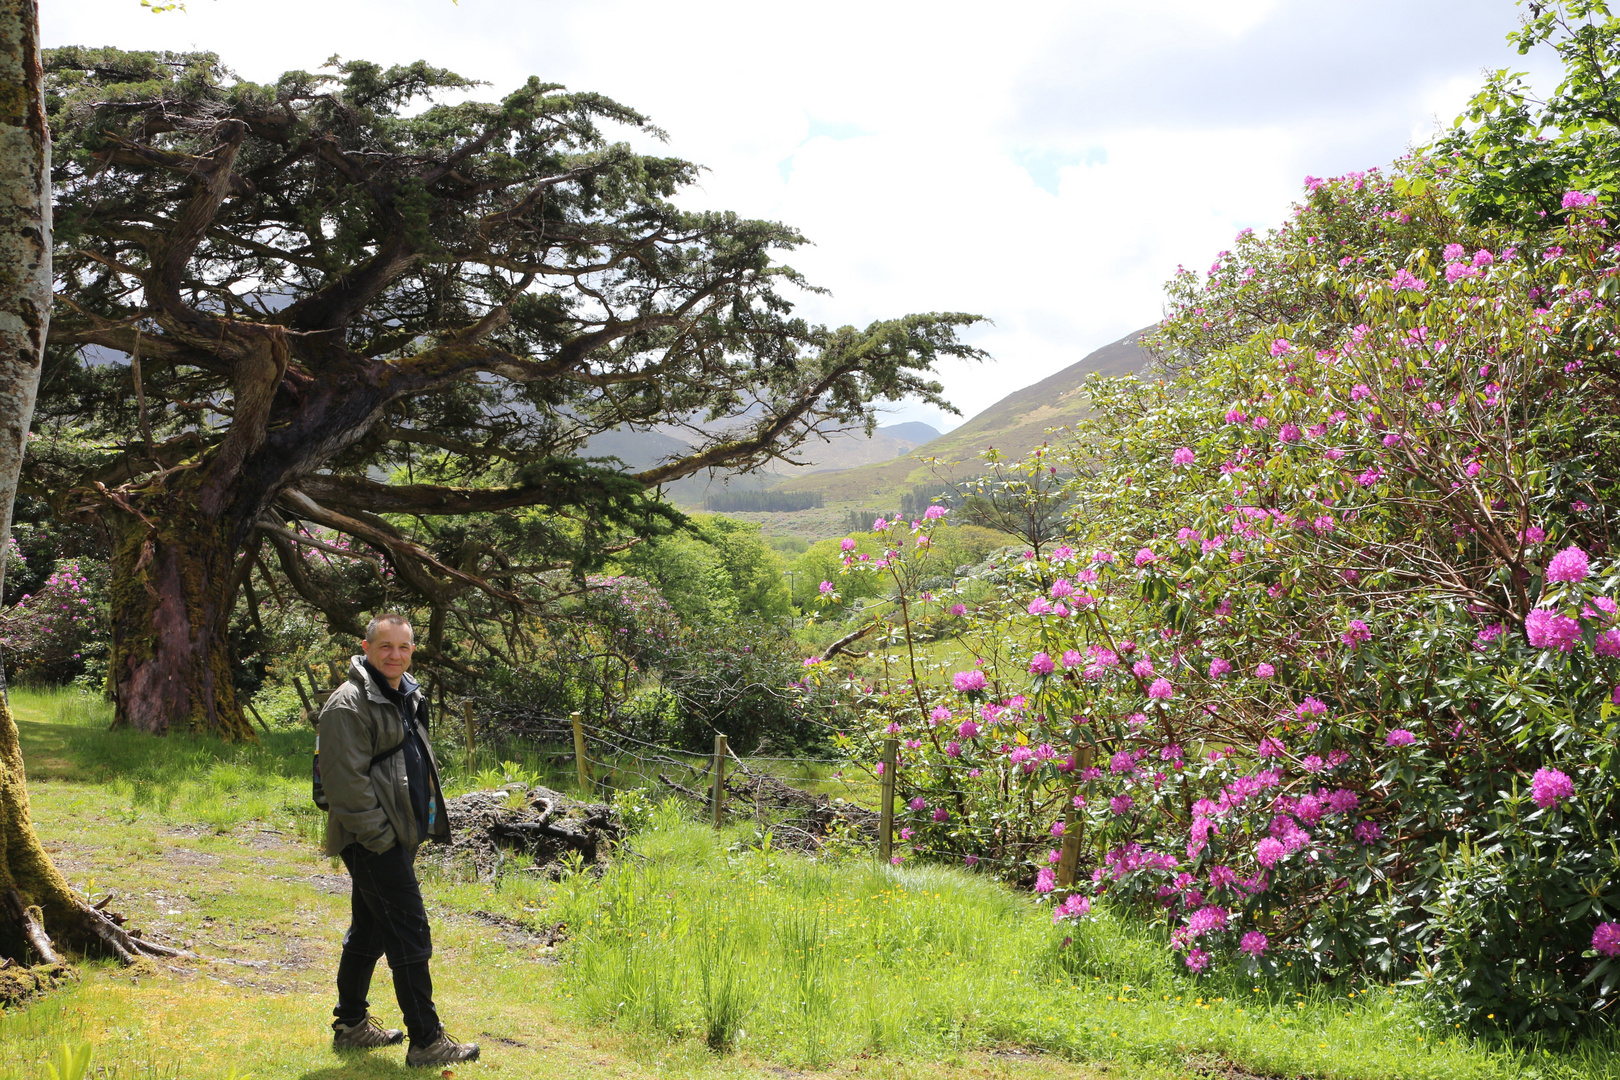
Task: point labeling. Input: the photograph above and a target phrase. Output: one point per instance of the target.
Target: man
(382, 789)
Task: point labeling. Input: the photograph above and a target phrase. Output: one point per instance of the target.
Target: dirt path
(265, 913)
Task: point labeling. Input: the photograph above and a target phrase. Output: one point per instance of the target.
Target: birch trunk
(35, 899)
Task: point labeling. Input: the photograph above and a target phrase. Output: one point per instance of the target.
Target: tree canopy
(343, 300)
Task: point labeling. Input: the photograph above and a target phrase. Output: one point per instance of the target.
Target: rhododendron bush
(1326, 672)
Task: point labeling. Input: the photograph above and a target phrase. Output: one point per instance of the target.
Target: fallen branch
(847, 640)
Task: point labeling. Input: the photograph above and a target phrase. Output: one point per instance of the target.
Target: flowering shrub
(1350, 702)
(45, 634)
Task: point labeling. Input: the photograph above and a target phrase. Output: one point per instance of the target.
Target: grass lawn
(804, 967)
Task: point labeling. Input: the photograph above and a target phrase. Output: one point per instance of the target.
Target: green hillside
(1014, 425)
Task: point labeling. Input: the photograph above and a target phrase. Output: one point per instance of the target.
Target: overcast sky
(1045, 164)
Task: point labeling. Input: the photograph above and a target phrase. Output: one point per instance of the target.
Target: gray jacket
(370, 804)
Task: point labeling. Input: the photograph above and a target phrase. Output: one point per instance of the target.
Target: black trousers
(387, 919)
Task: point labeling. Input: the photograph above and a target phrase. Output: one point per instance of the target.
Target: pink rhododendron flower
(1606, 939)
(941, 814)
(826, 588)
(1143, 668)
(1102, 556)
(1404, 279)
(968, 681)
(1040, 606)
(1399, 737)
(968, 729)
(1145, 557)
(846, 544)
(1061, 588)
(1254, 943)
(934, 512)
(1072, 659)
(1197, 960)
(1161, 690)
(1342, 801)
(1568, 565)
(1183, 456)
(940, 714)
(1356, 634)
(1264, 671)
(1041, 664)
(879, 525)
(1119, 804)
(1549, 630)
(1206, 920)
(1270, 747)
(1219, 668)
(1269, 851)
(958, 609)
(1548, 786)
(1608, 644)
(1368, 833)
(1312, 706)
(1045, 880)
(1576, 200)
(1290, 433)
(1074, 907)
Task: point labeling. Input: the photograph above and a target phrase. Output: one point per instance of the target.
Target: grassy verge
(690, 941)
(808, 962)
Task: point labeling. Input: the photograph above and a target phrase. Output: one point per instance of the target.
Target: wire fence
(806, 802)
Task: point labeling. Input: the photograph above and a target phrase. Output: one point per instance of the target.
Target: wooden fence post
(891, 753)
(467, 715)
(581, 765)
(1069, 858)
(719, 799)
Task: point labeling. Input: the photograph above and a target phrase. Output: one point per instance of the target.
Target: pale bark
(25, 241)
(34, 897)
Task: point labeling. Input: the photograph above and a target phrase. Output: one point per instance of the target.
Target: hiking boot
(441, 1051)
(364, 1034)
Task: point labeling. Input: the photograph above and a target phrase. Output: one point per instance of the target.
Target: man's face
(389, 649)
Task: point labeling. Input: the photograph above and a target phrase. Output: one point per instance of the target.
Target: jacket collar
(358, 673)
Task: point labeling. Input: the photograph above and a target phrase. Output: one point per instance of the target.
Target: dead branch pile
(487, 827)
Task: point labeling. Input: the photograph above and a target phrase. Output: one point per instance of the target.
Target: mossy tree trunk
(173, 586)
(35, 900)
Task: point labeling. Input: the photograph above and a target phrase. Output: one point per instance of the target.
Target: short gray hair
(388, 617)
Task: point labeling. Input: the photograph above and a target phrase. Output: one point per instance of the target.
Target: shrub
(1326, 670)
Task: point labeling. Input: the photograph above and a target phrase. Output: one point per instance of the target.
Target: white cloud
(1047, 163)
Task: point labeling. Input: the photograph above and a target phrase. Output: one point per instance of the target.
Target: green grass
(809, 961)
(692, 940)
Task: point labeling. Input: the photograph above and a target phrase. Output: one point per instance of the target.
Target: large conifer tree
(276, 299)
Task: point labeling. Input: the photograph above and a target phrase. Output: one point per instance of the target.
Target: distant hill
(1014, 425)
(839, 450)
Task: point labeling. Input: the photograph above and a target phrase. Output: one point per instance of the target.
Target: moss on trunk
(172, 592)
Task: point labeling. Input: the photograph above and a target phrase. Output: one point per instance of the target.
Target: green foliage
(720, 571)
(70, 1063)
(1512, 156)
(762, 501)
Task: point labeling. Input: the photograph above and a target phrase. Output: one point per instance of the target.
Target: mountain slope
(1014, 425)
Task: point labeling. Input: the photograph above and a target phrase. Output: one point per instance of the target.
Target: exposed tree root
(89, 928)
